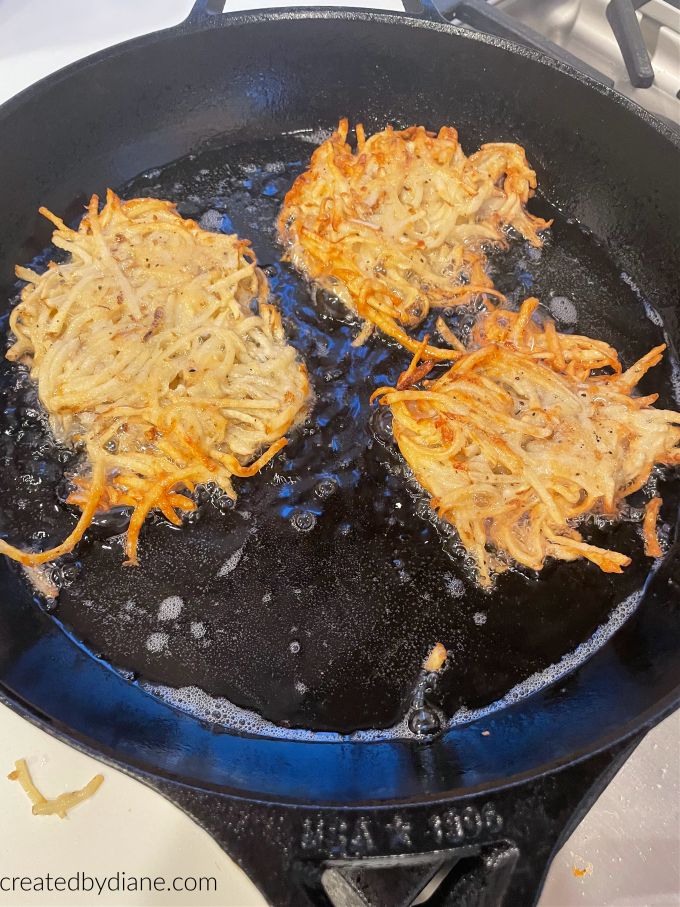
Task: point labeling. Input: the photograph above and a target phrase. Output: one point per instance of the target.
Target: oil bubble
(231, 563)
(157, 642)
(381, 425)
(303, 520)
(424, 722)
(326, 487)
(223, 503)
(111, 522)
(64, 488)
(69, 572)
(563, 310)
(455, 586)
(201, 495)
(454, 547)
(294, 647)
(330, 306)
(423, 510)
(414, 485)
(170, 608)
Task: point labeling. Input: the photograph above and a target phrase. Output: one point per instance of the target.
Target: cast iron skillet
(329, 816)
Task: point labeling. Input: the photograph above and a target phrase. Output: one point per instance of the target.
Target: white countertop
(629, 843)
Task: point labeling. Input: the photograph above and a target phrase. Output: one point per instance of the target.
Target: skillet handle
(481, 15)
(623, 20)
(492, 849)
(203, 10)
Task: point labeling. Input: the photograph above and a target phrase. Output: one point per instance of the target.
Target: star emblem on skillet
(400, 834)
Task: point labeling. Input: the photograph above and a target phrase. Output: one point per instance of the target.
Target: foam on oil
(217, 710)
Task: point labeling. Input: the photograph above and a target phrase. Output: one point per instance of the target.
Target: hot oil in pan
(315, 599)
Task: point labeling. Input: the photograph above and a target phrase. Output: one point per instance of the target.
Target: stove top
(632, 45)
(582, 28)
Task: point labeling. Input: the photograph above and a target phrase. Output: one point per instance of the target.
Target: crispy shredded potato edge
(147, 352)
(400, 225)
(517, 443)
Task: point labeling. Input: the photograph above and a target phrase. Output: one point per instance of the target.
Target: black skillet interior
(331, 570)
(325, 625)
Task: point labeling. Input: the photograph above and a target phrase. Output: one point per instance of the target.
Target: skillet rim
(15, 104)
(321, 13)
(149, 774)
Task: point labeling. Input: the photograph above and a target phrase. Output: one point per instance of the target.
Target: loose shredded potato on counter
(517, 442)
(147, 352)
(398, 227)
(62, 804)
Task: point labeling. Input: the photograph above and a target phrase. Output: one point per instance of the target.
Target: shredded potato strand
(399, 226)
(62, 804)
(517, 442)
(652, 546)
(23, 776)
(148, 349)
(436, 658)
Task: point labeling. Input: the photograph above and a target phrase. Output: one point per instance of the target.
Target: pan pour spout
(424, 717)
